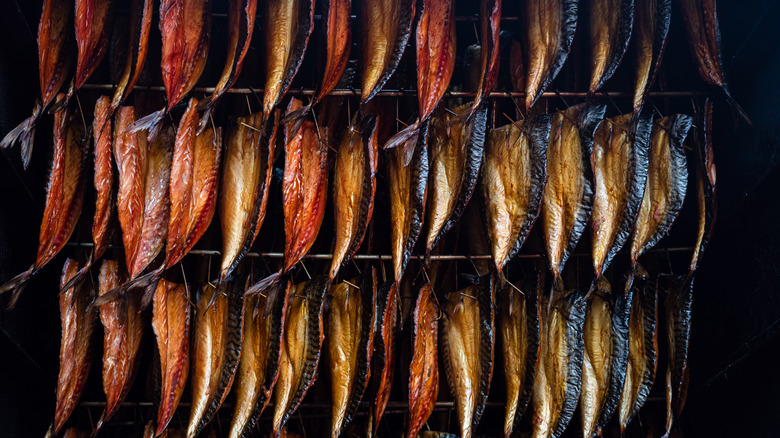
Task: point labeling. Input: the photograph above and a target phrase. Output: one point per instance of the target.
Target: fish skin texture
(92, 22)
(383, 357)
(138, 47)
(424, 368)
(611, 23)
(651, 27)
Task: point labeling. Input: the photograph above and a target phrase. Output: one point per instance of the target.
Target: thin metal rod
(401, 93)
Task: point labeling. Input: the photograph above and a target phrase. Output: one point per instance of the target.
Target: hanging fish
(288, 25)
(651, 23)
(513, 179)
(137, 47)
(518, 324)
(457, 143)
(706, 182)
(435, 43)
(408, 188)
(246, 175)
(559, 371)
(78, 321)
(490, 30)
(549, 27)
(611, 22)
(185, 26)
(64, 197)
(424, 369)
(350, 333)
(54, 62)
(619, 161)
(468, 345)
(300, 348)
(568, 195)
(216, 348)
(92, 22)
(643, 347)
(264, 318)
(171, 325)
(385, 28)
(354, 187)
(383, 357)
(241, 25)
(123, 331)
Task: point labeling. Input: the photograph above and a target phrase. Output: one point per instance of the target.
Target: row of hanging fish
(538, 51)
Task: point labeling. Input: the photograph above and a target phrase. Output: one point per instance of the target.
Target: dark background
(735, 386)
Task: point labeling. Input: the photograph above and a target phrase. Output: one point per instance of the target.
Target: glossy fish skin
(143, 202)
(408, 187)
(642, 350)
(138, 46)
(678, 306)
(76, 348)
(611, 22)
(351, 322)
(383, 357)
(304, 189)
(568, 195)
(287, 25)
(171, 325)
(550, 27)
(92, 23)
(354, 187)
(194, 181)
(241, 25)
(301, 346)
(468, 345)
(706, 182)
(64, 196)
(185, 26)
(123, 331)
(619, 161)
(490, 29)
(264, 328)
(54, 62)
(424, 369)
(435, 44)
(513, 178)
(651, 27)
(216, 349)
(518, 324)
(667, 179)
(455, 164)
(385, 28)
(559, 371)
(620, 321)
(339, 43)
(246, 175)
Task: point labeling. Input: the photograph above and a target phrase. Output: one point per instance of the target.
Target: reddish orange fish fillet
(424, 369)
(383, 357)
(490, 29)
(92, 23)
(123, 330)
(171, 325)
(75, 349)
(138, 39)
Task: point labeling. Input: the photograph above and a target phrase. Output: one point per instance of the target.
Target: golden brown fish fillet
(350, 333)
(216, 348)
(92, 22)
(435, 44)
(193, 190)
(651, 27)
(304, 189)
(667, 179)
(54, 62)
(300, 348)
(457, 143)
(64, 197)
(171, 325)
(354, 187)
(424, 369)
(287, 25)
(619, 161)
(611, 22)
(490, 30)
(140, 17)
(241, 25)
(246, 176)
(549, 27)
(467, 340)
(568, 195)
(597, 358)
(383, 357)
(559, 371)
(513, 178)
(518, 324)
(78, 320)
(123, 331)
(264, 328)
(385, 28)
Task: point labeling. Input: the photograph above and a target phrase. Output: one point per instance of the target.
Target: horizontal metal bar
(402, 93)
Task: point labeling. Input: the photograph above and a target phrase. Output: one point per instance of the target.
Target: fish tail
(16, 286)
(264, 285)
(79, 275)
(24, 134)
(151, 123)
(736, 107)
(143, 281)
(208, 107)
(406, 138)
